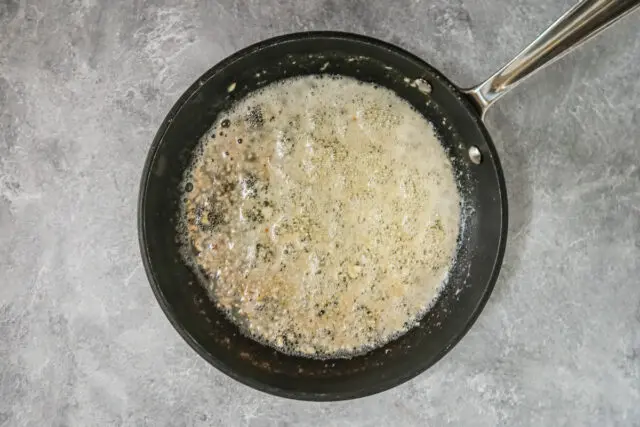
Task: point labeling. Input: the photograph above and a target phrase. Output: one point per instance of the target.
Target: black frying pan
(457, 116)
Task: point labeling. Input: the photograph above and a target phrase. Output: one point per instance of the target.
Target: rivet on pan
(475, 155)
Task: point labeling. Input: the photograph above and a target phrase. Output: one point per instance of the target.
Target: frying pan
(457, 116)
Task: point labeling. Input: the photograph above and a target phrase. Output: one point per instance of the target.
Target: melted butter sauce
(323, 213)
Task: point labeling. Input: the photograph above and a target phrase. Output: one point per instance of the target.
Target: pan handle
(577, 25)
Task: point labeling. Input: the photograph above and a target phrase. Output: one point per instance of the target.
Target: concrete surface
(84, 84)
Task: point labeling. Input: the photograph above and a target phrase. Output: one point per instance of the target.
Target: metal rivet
(475, 155)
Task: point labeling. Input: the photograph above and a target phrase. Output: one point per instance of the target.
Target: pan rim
(383, 384)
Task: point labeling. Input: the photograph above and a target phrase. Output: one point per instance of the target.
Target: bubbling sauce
(323, 214)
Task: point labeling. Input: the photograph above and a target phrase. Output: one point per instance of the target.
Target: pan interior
(481, 239)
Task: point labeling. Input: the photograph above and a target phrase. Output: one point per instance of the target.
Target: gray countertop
(84, 85)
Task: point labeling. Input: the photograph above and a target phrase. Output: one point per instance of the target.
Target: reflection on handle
(577, 25)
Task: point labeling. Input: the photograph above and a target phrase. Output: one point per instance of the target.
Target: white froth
(324, 213)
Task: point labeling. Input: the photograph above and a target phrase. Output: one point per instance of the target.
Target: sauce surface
(323, 214)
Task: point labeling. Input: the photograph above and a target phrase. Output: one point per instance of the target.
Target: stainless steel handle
(577, 25)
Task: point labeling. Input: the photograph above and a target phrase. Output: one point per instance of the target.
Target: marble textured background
(84, 84)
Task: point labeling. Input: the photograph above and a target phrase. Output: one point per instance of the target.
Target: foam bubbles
(330, 229)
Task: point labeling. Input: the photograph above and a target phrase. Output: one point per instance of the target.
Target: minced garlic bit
(323, 213)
